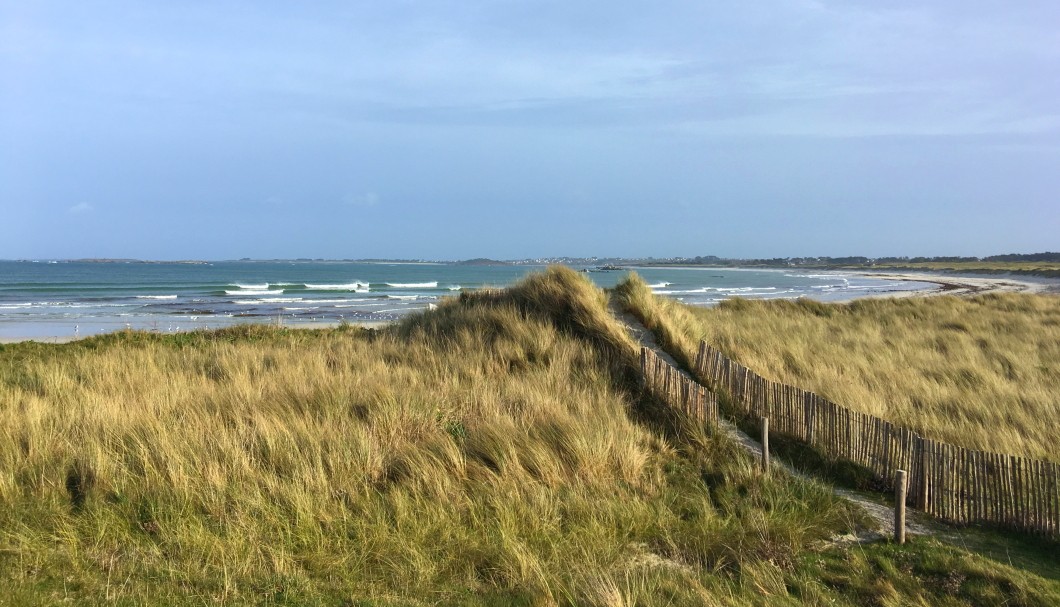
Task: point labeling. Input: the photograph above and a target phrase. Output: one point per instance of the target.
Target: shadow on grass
(1040, 555)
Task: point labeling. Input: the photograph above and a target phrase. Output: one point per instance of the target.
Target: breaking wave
(353, 286)
(255, 292)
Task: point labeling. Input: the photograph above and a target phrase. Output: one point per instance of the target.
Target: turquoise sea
(59, 299)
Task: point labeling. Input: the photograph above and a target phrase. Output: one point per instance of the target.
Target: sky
(503, 129)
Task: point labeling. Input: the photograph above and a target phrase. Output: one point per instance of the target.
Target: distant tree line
(1028, 257)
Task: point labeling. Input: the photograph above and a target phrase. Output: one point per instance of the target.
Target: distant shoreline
(942, 284)
(963, 285)
(955, 283)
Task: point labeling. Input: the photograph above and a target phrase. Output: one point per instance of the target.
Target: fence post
(922, 498)
(899, 507)
(810, 417)
(765, 445)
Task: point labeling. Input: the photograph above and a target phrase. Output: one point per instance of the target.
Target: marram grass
(982, 372)
(493, 451)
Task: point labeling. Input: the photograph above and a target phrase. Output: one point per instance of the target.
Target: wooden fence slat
(925, 479)
(983, 468)
(968, 497)
(1000, 510)
(963, 502)
(1051, 522)
(1047, 519)
(974, 500)
(1051, 506)
(978, 469)
(944, 479)
(1044, 492)
(938, 494)
(1006, 483)
(1021, 494)
(1039, 520)
(949, 481)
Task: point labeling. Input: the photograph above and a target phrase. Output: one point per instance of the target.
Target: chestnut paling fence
(677, 389)
(947, 481)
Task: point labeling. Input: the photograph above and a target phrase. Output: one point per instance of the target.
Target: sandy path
(882, 514)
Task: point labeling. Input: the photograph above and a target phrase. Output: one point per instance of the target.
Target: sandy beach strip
(962, 285)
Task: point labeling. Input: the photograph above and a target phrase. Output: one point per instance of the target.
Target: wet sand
(955, 284)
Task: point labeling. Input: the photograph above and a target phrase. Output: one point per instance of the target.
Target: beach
(180, 299)
(963, 285)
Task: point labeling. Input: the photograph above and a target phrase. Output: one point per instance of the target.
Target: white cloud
(79, 208)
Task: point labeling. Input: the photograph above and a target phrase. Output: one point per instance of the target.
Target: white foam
(745, 289)
(686, 291)
(360, 287)
(402, 297)
(413, 285)
(455, 288)
(660, 285)
(260, 287)
(839, 276)
(261, 292)
(156, 297)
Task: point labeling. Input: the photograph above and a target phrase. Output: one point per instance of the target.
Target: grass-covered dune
(982, 372)
(496, 450)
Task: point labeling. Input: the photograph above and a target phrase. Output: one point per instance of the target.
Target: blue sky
(450, 130)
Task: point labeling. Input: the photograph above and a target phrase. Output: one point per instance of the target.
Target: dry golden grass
(982, 372)
(481, 450)
(496, 450)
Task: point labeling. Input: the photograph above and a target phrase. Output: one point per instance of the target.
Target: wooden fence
(677, 389)
(952, 483)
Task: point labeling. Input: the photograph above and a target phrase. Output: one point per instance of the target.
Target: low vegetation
(496, 450)
(982, 372)
(1049, 269)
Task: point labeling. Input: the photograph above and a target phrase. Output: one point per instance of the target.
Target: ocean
(63, 299)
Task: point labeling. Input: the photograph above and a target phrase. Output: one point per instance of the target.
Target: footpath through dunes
(882, 515)
(981, 372)
(955, 484)
(496, 450)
